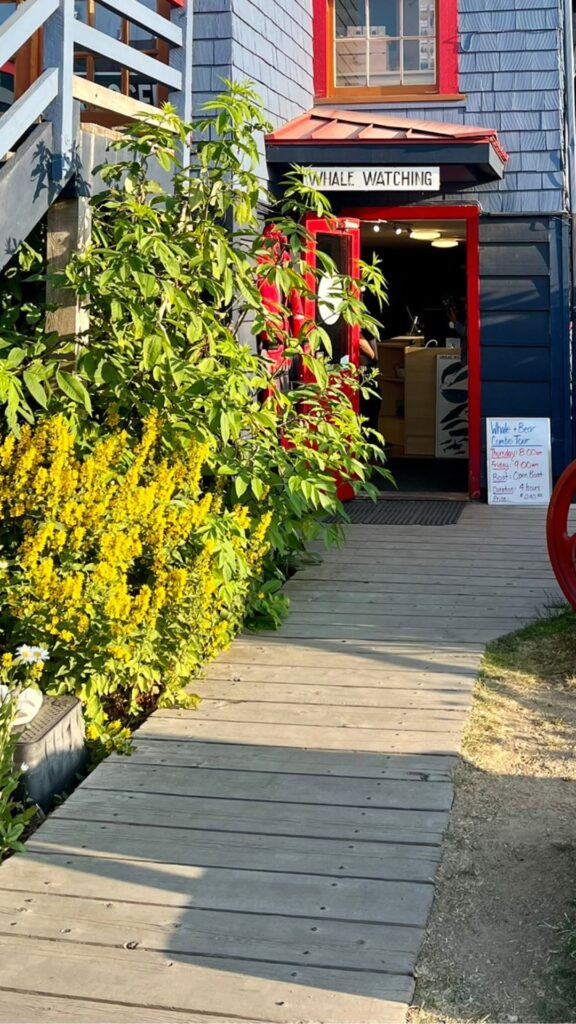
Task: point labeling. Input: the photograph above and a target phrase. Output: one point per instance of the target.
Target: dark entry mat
(404, 513)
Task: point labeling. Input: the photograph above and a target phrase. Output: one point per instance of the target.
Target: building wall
(524, 311)
(511, 73)
(267, 41)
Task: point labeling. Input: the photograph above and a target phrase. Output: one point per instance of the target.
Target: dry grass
(501, 945)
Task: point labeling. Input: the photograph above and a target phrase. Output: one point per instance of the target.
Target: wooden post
(59, 53)
(69, 225)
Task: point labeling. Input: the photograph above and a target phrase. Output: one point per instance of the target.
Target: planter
(53, 750)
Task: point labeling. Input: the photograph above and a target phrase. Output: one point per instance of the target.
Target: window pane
(384, 61)
(108, 22)
(139, 35)
(335, 246)
(419, 62)
(107, 74)
(81, 10)
(385, 17)
(427, 24)
(351, 62)
(80, 65)
(5, 11)
(350, 18)
(143, 89)
(6, 90)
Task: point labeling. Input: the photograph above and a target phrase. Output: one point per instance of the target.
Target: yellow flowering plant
(118, 563)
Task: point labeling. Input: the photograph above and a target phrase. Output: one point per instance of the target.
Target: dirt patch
(498, 945)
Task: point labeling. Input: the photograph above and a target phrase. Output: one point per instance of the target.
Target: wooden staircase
(43, 147)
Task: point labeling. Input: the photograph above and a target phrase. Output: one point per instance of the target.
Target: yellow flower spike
(7, 660)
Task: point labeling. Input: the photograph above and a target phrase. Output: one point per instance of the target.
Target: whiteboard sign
(377, 179)
(519, 468)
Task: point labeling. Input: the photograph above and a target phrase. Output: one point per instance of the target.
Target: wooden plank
(447, 558)
(312, 737)
(263, 991)
(22, 114)
(393, 589)
(469, 634)
(353, 656)
(115, 102)
(29, 1007)
(369, 676)
(305, 694)
(199, 932)
(360, 602)
(250, 892)
(197, 754)
(238, 816)
(305, 592)
(380, 614)
(376, 720)
(413, 573)
(91, 39)
(306, 790)
(245, 853)
(155, 24)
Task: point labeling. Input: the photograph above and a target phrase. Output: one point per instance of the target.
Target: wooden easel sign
(519, 461)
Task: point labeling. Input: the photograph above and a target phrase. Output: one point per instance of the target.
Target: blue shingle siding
(212, 47)
(519, 43)
(272, 44)
(524, 329)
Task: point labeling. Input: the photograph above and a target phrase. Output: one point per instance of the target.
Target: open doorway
(428, 345)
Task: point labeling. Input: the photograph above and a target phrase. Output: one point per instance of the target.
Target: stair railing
(52, 95)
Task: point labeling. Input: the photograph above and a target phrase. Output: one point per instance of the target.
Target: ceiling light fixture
(376, 228)
(424, 234)
(398, 231)
(445, 243)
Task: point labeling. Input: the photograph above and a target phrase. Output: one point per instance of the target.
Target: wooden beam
(107, 99)
(91, 39)
(27, 109)
(136, 12)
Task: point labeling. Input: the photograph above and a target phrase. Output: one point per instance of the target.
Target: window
(384, 43)
(371, 48)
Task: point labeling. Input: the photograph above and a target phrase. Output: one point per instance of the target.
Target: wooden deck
(271, 858)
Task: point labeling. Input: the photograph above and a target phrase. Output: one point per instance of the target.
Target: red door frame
(347, 227)
(471, 215)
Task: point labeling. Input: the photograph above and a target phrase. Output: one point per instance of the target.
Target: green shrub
(174, 288)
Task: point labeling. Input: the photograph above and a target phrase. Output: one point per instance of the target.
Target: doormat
(404, 513)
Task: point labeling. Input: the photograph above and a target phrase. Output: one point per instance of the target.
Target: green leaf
(152, 351)
(240, 486)
(15, 357)
(35, 387)
(73, 388)
(257, 488)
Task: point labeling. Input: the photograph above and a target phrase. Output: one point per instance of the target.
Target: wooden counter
(408, 387)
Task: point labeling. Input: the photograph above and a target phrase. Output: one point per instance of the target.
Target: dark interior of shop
(422, 352)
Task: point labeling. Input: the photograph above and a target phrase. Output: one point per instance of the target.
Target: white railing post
(181, 58)
(59, 53)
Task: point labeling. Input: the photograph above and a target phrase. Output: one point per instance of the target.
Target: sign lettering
(377, 179)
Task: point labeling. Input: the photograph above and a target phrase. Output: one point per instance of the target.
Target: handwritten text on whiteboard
(518, 453)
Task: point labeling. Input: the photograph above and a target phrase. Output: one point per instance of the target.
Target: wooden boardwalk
(271, 858)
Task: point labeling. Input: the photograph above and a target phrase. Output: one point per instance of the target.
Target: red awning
(323, 125)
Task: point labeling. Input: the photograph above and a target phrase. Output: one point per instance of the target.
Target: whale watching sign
(519, 470)
(377, 179)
